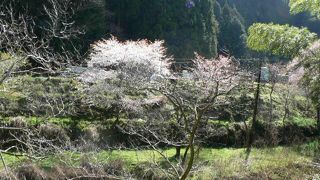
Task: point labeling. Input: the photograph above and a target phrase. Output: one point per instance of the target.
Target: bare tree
(27, 47)
(251, 133)
(207, 85)
(193, 95)
(25, 40)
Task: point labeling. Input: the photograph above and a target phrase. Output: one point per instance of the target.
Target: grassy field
(275, 163)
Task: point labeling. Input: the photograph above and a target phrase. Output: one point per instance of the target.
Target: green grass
(132, 158)
(274, 163)
(224, 162)
(11, 161)
(303, 122)
(41, 120)
(310, 149)
(66, 159)
(64, 122)
(225, 123)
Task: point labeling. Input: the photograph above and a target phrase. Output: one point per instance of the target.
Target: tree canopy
(288, 41)
(299, 6)
(282, 40)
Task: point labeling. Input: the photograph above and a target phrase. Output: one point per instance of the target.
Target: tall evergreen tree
(232, 33)
(186, 25)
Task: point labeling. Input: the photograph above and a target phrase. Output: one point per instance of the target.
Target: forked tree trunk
(184, 159)
(191, 159)
(191, 146)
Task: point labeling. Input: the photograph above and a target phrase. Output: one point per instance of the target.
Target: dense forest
(159, 89)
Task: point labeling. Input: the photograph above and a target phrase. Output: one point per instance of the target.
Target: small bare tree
(25, 40)
(207, 85)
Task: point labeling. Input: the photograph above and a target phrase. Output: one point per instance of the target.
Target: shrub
(115, 167)
(30, 171)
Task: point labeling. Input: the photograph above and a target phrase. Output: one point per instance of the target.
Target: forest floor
(294, 162)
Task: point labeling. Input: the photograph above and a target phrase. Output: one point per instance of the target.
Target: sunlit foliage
(299, 6)
(282, 40)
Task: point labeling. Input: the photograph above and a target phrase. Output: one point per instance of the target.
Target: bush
(147, 171)
(44, 96)
(30, 171)
(115, 167)
(54, 133)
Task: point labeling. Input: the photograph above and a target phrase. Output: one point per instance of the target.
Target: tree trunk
(271, 102)
(117, 121)
(178, 152)
(191, 159)
(184, 159)
(191, 145)
(251, 134)
(318, 119)
(286, 108)
(7, 73)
